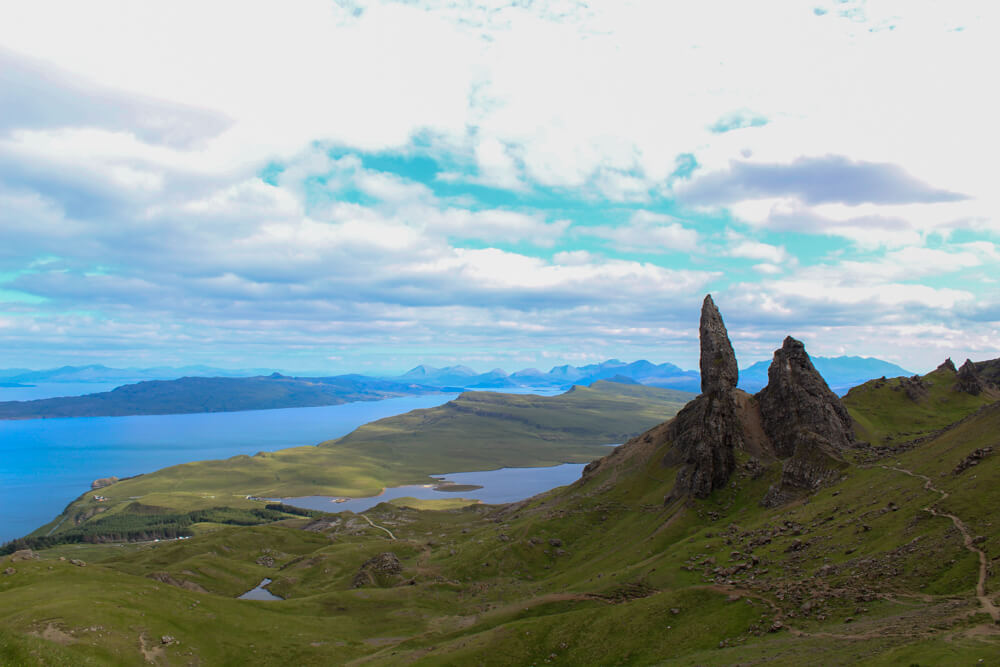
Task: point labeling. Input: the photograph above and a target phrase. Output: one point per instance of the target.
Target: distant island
(195, 394)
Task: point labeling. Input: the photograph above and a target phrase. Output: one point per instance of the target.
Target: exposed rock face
(805, 421)
(968, 379)
(797, 400)
(707, 432)
(705, 436)
(378, 570)
(718, 362)
(948, 364)
(795, 418)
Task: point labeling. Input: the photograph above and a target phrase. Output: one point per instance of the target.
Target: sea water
(47, 463)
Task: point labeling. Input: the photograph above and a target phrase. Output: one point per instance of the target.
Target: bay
(46, 463)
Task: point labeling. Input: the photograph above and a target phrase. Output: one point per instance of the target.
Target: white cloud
(645, 232)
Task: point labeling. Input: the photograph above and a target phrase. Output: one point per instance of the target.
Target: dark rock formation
(705, 436)
(379, 570)
(718, 362)
(805, 422)
(707, 432)
(948, 364)
(914, 387)
(796, 418)
(797, 400)
(968, 379)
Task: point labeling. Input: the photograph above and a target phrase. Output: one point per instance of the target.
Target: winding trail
(375, 525)
(984, 599)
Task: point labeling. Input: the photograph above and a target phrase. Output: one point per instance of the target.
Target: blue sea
(46, 463)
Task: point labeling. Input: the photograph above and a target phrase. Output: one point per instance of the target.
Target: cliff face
(795, 419)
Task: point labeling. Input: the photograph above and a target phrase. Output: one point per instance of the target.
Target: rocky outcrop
(103, 482)
(968, 379)
(797, 401)
(718, 361)
(795, 419)
(707, 432)
(380, 570)
(948, 365)
(805, 422)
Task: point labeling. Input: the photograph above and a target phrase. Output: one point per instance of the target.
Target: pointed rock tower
(806, 423)
(707, 432)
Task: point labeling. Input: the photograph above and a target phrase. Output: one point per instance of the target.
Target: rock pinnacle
(718, 362)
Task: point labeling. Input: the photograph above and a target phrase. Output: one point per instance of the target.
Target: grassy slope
(859, 574)
(885, 415)
(477, 431)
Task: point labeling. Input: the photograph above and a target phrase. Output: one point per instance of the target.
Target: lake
(506, 485)
(47, 463)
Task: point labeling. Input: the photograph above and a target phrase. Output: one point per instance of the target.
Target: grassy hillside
(893, 411)
(477, 431)
(880, 568)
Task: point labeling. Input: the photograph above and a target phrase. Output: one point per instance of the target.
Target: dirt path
(984, 599)
(375, 525)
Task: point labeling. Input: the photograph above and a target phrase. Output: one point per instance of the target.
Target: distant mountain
(840, 373)
(665, 375)
(214, 394)
(101, 373)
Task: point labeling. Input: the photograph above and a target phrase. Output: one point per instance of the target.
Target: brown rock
(377, 570)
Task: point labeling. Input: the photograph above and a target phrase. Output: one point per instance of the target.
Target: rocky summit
(796, 419)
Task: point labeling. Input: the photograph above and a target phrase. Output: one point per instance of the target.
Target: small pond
(260, 593)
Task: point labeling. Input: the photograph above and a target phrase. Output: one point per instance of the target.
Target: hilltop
(788, 527)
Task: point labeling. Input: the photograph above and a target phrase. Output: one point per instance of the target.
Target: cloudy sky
(363, 186)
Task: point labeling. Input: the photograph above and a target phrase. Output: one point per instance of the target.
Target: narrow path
(56, 527)
(374, 525)
(984, 599)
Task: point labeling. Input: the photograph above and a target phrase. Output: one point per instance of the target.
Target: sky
(364, 186)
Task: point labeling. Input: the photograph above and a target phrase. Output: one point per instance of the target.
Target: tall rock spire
(718, 361)
(707, 432)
